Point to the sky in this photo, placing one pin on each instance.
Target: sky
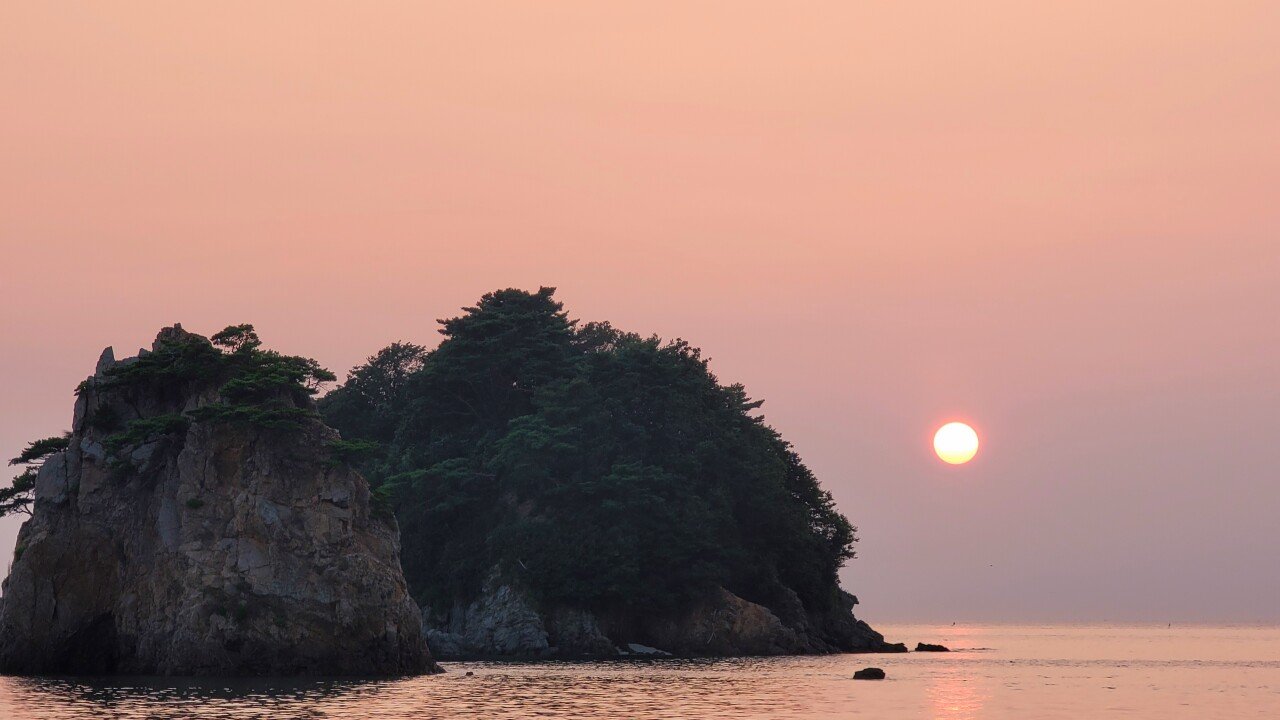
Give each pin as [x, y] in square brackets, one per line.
[1055, 221]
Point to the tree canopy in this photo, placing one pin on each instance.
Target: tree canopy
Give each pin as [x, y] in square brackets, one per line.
[602, 468]
[254, 386]
[18, 496]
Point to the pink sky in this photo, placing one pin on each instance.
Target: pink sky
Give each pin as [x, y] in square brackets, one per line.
[1059, 223]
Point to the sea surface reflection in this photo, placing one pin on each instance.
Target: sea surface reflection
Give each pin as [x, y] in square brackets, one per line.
[1000, 672]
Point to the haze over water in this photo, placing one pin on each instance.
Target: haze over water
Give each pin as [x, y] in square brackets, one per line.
[1003, 672]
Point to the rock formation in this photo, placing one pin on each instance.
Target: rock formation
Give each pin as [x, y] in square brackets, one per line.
[929, 647]
[505, 622]
[170, 539]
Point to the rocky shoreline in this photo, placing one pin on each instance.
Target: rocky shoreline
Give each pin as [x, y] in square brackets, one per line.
[506, 623]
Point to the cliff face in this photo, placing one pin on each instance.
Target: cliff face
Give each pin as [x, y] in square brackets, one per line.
[506, 622]
[205, 546]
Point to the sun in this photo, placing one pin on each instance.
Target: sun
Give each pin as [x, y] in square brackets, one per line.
[955, 443]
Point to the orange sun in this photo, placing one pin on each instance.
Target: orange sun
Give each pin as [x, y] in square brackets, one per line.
[956, 443]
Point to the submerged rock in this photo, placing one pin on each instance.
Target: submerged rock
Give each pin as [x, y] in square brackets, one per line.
[215, 547]
[927, 647]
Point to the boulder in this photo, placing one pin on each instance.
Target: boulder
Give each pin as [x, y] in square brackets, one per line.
[727, 625]
[870, 673]
[926, 647]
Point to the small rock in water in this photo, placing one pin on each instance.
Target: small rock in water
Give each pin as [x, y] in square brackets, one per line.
[869, 674]
[926, 647]
[469, 674]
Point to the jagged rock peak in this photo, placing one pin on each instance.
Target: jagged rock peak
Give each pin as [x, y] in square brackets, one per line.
[106, 360]
[174, 334]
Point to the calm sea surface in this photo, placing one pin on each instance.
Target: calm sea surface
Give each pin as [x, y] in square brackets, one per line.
[999, 671]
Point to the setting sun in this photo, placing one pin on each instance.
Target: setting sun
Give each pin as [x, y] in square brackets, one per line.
[956, 443]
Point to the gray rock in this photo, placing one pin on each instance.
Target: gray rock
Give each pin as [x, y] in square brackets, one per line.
[78, 410]
[501, 622]
[168, 524]
[728, 625]
[93, 451]
[51, 481]
[106, 361]
[504, 620]
[268, 512]
[217, 558]
[338, 496]
[449, 645]
[576, 633]
[141, 455]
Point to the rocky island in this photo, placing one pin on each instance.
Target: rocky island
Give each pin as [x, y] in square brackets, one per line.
[560, 490]
[201, 519]
[571, 490]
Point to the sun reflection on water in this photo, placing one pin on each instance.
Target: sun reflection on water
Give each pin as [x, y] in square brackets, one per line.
[953, 696]
[956, 692]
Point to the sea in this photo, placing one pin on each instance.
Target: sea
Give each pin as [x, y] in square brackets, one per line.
[1001, 672]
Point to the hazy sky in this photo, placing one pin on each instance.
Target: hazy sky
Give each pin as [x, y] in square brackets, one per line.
[1057, 221]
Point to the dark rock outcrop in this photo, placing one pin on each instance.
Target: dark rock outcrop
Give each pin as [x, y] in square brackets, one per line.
[505, 622]
[927, 647]
[869, 674]
[216, 548]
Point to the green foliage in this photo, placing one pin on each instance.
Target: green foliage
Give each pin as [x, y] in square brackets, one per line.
[189, 358]
[17, 498]
[237, 338]
[254, 387]
[381, 500]
[194, 503]
[245, 372]
[348, 451]
[272, 416]
[37, 450]
[374, 395]
[144, 430]
[105, 419]
[259, 375]
[600, 467]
